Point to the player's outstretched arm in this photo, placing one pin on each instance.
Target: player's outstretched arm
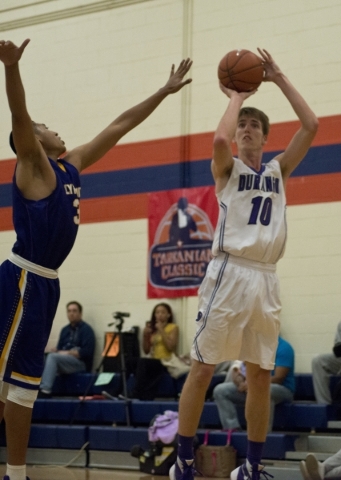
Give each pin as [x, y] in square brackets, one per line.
[34, 175]
[222, 161]
[87, 154]
[303, 138]
[23, 133]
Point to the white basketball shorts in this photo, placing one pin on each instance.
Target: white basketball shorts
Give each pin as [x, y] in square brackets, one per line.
[238, 316]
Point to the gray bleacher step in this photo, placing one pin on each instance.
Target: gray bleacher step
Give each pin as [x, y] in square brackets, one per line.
[301, 455]
[51, 456]
[285, 474]
[119, 460]
[334, 424]
[318, 443]
[282, 470]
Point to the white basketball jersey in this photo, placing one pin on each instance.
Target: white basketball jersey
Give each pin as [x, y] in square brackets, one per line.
[251, 221]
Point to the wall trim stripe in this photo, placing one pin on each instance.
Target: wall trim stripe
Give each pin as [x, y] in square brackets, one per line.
[300, 190]
[319, 160]
[167, 151]
[117, 187]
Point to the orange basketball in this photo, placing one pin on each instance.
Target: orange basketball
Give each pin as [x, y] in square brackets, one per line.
[241, 70]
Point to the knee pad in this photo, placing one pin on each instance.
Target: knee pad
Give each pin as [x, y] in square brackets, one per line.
[3, 391]
[22, 396]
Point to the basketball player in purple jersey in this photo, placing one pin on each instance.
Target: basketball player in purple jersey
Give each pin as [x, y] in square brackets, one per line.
[46, 191]
[239, 301]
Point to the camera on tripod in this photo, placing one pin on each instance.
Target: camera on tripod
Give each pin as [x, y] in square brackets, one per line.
[119, 344]
[120, 314]
[120, 317]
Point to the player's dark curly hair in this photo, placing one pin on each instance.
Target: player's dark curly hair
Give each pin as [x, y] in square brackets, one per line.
[153, 319]
[258, 114]
[11, 140]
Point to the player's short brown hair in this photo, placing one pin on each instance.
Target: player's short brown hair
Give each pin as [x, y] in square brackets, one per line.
[258, 114]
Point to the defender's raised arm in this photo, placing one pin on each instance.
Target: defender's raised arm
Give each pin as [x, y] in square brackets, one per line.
[34, 175]
[87, 154]
[22, 128]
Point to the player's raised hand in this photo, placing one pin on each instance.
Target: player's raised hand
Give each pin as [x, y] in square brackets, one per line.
[175, 81]
[271, 68]
[10, 53]
[229, 92]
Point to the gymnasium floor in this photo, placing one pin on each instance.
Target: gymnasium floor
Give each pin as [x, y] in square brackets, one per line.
[62, 473]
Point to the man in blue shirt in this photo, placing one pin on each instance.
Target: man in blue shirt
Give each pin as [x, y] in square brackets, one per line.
[231, 393]
[74, 352]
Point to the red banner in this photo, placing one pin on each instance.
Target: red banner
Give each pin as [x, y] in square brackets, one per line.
[181, 227]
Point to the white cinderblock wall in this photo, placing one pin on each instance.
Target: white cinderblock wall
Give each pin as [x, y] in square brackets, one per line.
[81, 72]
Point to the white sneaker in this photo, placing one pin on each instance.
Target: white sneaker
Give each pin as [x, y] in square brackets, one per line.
[172, 472]
[314, 467]
[182, 470]
[249, 472]
[304, 471]
[242, 472]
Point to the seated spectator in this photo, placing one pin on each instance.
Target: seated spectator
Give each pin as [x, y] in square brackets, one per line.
[160, 335]
[74, 352]
[222, 367]
[160, 340]
[325, 365]
[312, 469]
[233, 391]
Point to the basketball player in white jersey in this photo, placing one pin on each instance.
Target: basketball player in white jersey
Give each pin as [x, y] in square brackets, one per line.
[239, 301]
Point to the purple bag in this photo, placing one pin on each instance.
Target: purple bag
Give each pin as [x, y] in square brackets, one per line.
[164, 427]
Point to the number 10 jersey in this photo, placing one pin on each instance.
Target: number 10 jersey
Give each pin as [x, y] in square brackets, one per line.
[252, 207]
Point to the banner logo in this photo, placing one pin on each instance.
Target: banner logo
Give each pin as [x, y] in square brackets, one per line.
[181, 249]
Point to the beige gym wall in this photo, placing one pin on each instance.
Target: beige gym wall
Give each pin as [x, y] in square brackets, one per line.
[83, 68]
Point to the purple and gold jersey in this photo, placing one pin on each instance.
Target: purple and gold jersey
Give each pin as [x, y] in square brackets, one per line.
[46, 229]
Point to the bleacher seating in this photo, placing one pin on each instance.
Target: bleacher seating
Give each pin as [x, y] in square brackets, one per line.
[68, 423]
[305, 389]
[77, 383]
[289, 417]
[303, 413]
[112, 438]
[54, 436]
[73, 411]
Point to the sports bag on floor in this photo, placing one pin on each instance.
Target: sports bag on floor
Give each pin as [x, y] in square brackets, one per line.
[215, 461]
[162, 451]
